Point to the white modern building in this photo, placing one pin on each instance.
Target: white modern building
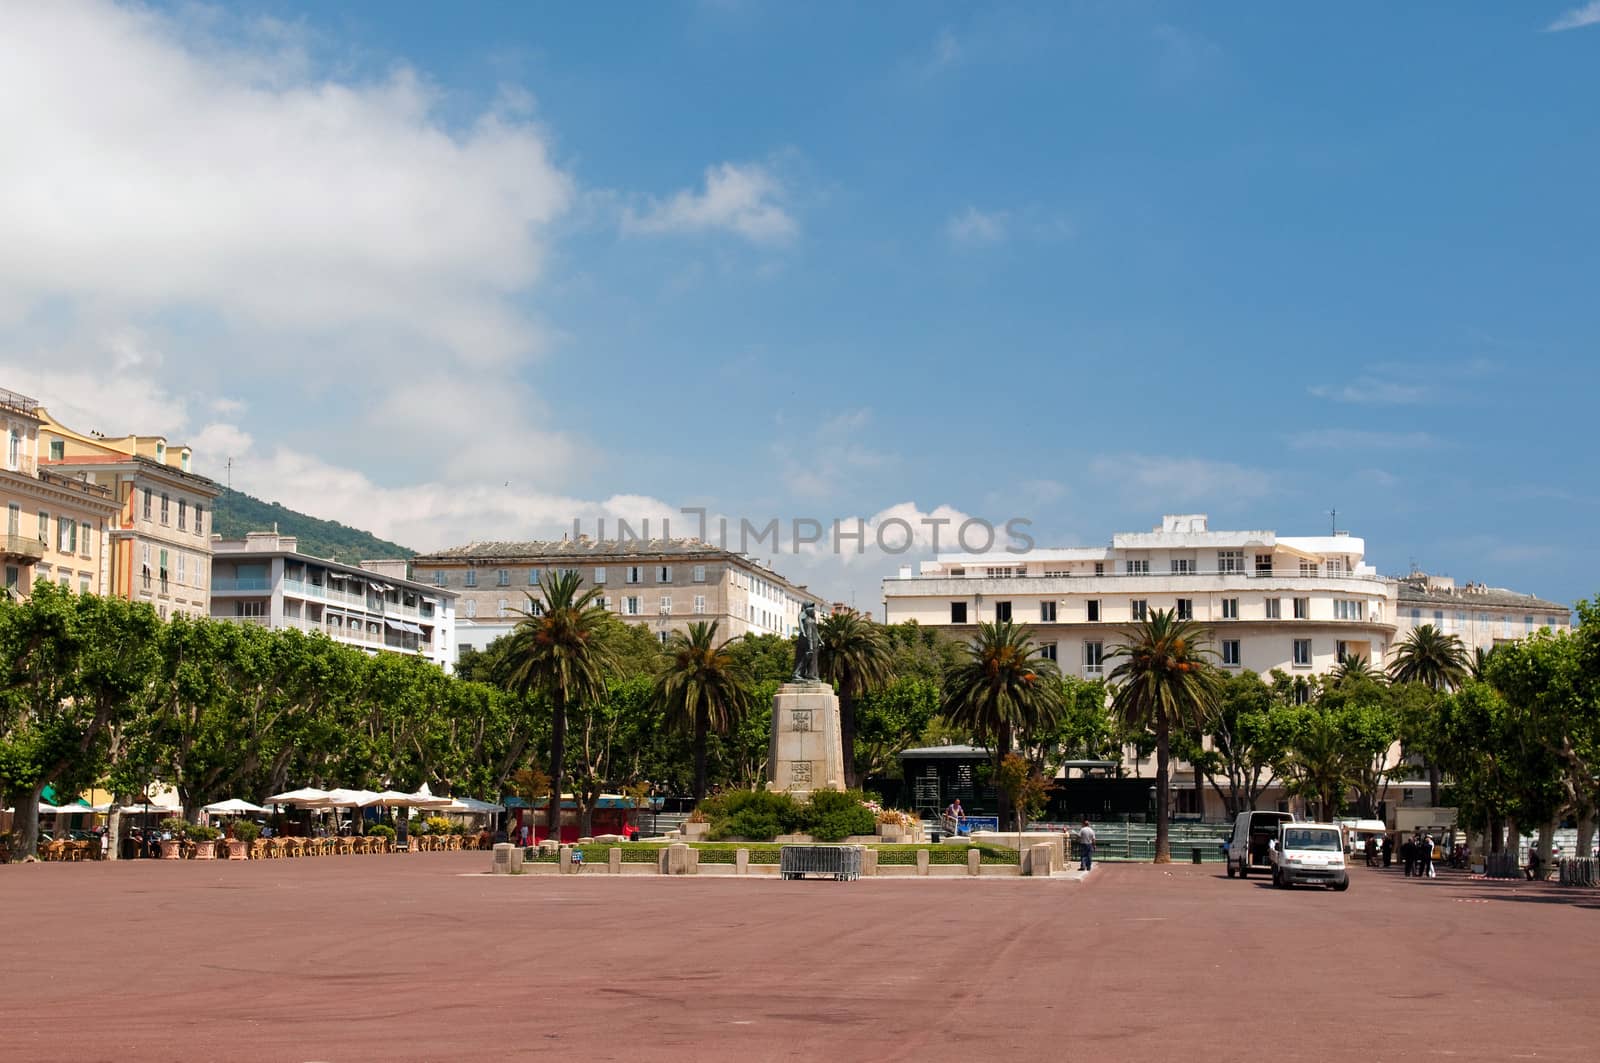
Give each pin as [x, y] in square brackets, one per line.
[1300, 604]
[1481, 617]
[264, 579]
[663, 584]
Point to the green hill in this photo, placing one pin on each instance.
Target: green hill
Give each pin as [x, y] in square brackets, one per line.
[235, 513]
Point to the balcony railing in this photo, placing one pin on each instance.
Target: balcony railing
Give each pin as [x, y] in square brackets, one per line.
[25, 547]
[72, 483]
[240, 583]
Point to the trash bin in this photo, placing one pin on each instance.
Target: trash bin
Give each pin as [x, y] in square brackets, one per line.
[936, 835]
[1194, 855]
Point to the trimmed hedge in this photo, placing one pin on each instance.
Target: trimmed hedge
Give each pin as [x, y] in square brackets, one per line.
[829, 816]
[768, 853]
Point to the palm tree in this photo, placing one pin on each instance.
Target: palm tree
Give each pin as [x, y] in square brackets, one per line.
[854, 654]
[1002, 687]
[1478, 666]
[1356, 667]
[559, 649]
[1437, 661]
[1321, 764]
[1165, 681]
[700, 689]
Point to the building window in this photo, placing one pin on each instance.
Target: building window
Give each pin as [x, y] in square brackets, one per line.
[664, 637]
[1308, 568]
[471, 578]
[147, 503]
[663, 573]
[502, 577]
[1047, 651]
[699, 573]
[699, 604]
[1335, 566]
[1230, 653]
[163, 573]
[505, 607]
[1093, 607]
[1349, 609]
[630, 606]
[13, 519]
[166, 508]
[145, 567]
[183, 515]
[1047, 612]
[439, 578]
[199, 520]
[1230, 608]
[1552, 623]
[1263, 564]
[1002, 611]
[1341, 650]
[1099, 570]
[1185, 608]
[1302, 653]
[958, 612]
[1141, 609]
[472, 608]
[13, 576]
[66, 535]
[249, 608]
[599, 576]
[635, 574]
[181, 558]
[44, 526]
[1182, 566]
[1302, 608]
[1138, 568]
[1094, 658]
[1230, 560]
[14, 449]
[666, 605]
[58, 450]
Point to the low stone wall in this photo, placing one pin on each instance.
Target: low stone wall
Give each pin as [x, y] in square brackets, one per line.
[683, 859]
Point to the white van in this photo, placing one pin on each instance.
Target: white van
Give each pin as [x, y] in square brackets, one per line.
[1251, 848]
[1310, 852]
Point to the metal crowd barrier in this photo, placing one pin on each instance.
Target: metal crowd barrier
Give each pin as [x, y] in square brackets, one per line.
[839, 862]
[1580, 872]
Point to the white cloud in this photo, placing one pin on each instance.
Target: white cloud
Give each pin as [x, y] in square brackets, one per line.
[1163, 480]
[746, 200]
[219, 213]
[1358, 439]
[1577, 18]
[1373, 391]
[973, 227]
[828, 456]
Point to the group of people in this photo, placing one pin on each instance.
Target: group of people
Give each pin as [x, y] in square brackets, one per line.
[1416, 852]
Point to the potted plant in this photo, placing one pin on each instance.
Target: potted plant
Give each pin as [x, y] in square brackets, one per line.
[697, 825]
[384, 833]
[172, 829]
[244, 832]
[204, 839]
[891, 825]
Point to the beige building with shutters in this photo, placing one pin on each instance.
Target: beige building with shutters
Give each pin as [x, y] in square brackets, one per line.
[159, 548]
[57, 522]
[664, 584]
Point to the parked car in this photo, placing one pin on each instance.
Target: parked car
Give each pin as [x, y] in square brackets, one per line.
[1311, 853]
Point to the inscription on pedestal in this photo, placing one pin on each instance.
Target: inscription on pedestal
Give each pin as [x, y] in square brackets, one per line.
[800, 771]
[800, 719]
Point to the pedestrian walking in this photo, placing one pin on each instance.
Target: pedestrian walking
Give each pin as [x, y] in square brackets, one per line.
[1425, 858]
[1388, 849]
[1408, 855]
[1085, 847]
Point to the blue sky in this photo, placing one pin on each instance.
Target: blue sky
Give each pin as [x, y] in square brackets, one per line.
[472, 272]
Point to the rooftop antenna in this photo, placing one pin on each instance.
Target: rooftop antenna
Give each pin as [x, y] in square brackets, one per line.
[230, 474]
[1333, 518]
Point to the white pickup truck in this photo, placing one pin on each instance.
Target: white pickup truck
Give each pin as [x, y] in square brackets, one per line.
[1309, 852]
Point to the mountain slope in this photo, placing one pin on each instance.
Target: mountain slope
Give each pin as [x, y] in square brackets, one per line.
[234, 513]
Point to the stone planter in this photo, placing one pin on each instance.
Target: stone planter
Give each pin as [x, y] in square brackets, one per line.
[171, 850]
[205, 850]
[238, 849]
[696, 830]
[892, 832]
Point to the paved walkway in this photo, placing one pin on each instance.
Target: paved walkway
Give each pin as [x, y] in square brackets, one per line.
[402, 958]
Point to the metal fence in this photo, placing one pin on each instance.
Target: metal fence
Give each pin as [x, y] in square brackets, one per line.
[839, 862]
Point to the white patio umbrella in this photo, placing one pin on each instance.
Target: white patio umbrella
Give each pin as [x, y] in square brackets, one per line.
[233, 807]
[350, 799]
[308, 796]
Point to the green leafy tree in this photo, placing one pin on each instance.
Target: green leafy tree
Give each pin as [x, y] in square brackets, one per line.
[890, 719]
[1164, 682]
[700, 690]
[1320, 765]
[1026, 790]
[559, 651]
[1362, 708]
[1239, 747]
[854, 654]
[1003, 689]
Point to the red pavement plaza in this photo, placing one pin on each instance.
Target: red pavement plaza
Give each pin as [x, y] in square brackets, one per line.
[413, 958]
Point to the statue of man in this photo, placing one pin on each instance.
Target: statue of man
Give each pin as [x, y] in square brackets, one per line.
[805, 647]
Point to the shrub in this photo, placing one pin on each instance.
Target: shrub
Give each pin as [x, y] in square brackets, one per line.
[833, 816]
[754, 814]
[197, 832]
[437, 825]
[174, 826]
[381, 830]
[245, 830]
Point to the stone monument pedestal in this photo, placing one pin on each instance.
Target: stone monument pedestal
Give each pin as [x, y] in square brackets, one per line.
[805, 753]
